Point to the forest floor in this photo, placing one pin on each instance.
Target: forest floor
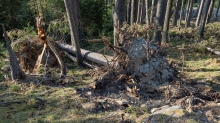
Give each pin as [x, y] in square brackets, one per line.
[26, 101]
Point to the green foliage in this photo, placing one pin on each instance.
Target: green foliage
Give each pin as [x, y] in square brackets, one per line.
[58, 28]
[15, 87]
[94, 17]
[21, 37]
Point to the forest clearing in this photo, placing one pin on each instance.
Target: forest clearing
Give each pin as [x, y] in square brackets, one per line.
[134, 62]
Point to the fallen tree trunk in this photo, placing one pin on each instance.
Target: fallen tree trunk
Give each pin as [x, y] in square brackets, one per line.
[213, 51]
[75, 60]
[89, 55]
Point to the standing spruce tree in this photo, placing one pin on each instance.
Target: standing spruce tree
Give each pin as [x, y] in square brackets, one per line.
[204, 17]
[119, 17]
[160, 15]
[176, 13]
[201, 5]
[189, 13]
[181, 12]
[128, 18]
[216, 14]
[71, 9]
[153, 10]
[166, 21]
[210, 11]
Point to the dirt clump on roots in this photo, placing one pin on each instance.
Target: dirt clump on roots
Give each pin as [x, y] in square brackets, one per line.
[139, 66]
[28, 51]
[141, 73]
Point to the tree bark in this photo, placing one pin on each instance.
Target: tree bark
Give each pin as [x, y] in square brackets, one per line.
[147, 13]
[176, 11]
[209, 16]
[187, 10]
[165, 35]
[128, 12]
[189, 13]
[119, 18]
[16, 72]
[153, 11]
[71, 9]
[132, 12]
[91, 56]
[139, 12]
[217, 10]
[181, 12]
[161, 9]
[204, 17]
[200, 13]
[80, 28]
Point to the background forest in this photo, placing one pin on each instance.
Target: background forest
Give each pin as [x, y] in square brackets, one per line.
[140, 61]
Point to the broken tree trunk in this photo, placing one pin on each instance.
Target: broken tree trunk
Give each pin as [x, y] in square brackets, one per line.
[89, 55]
[16, 71]
[42, 36]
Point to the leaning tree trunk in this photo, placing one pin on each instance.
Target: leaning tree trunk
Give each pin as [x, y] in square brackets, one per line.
[16, 72]
[204, 17]
[201, 5]
[161, 9]
[176, 11]
[71, 9]
[189, 13]
[119, 18]
[210, 11]
[166, 22]
[181, 12]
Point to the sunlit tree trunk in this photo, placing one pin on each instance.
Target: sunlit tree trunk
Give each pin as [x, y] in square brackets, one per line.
[181, 12]
[161, 9]
[201, 5]
[176, 13]
[71, 9]
[209, 16]
[166, 22]
[132, 12]
[204, 17]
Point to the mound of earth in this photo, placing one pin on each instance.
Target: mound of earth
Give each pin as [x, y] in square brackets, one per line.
[29, 51]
